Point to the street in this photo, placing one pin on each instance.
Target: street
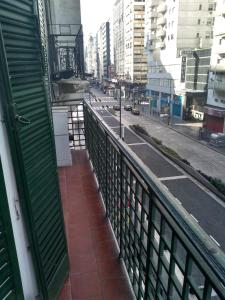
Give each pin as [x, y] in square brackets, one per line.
[203, 206]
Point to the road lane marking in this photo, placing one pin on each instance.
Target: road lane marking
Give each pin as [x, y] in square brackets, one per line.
[215, 241]
[134, 144]
[172, 178]
[194, 218]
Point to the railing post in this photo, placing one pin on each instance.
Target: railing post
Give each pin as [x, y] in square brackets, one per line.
[106, 173]
[120, 202]
[148, 244]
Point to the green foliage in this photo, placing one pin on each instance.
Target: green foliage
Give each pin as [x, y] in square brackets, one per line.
[140, 129]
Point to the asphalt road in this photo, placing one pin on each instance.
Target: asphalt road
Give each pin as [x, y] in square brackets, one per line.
[204, 207]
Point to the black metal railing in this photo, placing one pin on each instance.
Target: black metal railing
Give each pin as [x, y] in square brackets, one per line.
[167, 255]
[75, 123]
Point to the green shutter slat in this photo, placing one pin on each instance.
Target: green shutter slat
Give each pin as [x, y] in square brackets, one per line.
[37, 175]
[10, 283]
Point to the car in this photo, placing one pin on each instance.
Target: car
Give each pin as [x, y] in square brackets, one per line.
[128, 107]
[116, 107]
[135, 111]
[217, 139]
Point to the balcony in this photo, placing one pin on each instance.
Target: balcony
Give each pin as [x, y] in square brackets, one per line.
[161, 21]
[153, 26]
[161, 45]
[156, 240]
[220, 85]
[219, 68]
[154, 14]
[161, 33]
[162, 8]
[154, 3]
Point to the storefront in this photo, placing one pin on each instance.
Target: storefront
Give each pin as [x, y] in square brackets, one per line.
[214, 119]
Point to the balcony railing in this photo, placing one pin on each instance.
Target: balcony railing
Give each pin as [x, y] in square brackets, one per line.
[161, 21]
[167, 255]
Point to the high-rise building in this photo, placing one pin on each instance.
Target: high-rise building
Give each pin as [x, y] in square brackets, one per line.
[103, 51]
[135, 68]
[173, 29]
[118, 36]
[91, 56]
[215, 108]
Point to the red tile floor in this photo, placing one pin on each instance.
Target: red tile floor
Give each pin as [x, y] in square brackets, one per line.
[96, 273]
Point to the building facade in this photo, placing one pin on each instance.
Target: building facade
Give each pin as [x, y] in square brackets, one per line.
[196, 83]
[91, 56]
[103, 51]
[119, 37]
[173, 27]
[135, 68]
[215, 108]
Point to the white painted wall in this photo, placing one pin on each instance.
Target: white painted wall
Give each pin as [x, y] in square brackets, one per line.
[21, 242]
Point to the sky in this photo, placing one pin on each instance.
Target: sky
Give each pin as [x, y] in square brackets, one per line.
[93, 14]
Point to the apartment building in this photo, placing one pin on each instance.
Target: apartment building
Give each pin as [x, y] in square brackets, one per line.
[118, 37]
[215, 109]
[135, 59]
[171, 29]
[91, 56]
[103, 51]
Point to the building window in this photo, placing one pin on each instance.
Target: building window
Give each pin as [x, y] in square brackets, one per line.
[200, 6]
[168, 37]
[216, 100]
[172, 36]
[211, 7]
[199, 21]
[197, 34]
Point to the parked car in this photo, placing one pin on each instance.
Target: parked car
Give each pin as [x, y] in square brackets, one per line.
[116, 107]
[135, 111]
[128, 107]
[217, 139]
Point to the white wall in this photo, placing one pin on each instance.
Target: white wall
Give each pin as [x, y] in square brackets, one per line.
[21, 242]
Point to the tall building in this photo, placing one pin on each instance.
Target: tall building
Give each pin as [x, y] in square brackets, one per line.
[91, 56]
[173, 29]
[103, 51]
[215, 108]
[135, 68]
[118, 36]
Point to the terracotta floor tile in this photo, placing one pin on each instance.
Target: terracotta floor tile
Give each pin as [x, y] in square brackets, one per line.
[117, 289]
[110, 268]
[85, 285]
[82, 263]
[106, 248]
[65, 293]
[95, 270]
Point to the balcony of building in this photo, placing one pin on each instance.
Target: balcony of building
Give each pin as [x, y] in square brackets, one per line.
[218, 84]
[160, 33]
[160, 44]
[153, 26]
[125, 230]
[154, 3]
[154, 14]
[161, 21]
[162, 8]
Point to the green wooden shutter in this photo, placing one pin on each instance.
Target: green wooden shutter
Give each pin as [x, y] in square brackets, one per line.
[29, 125]
[10, 282]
